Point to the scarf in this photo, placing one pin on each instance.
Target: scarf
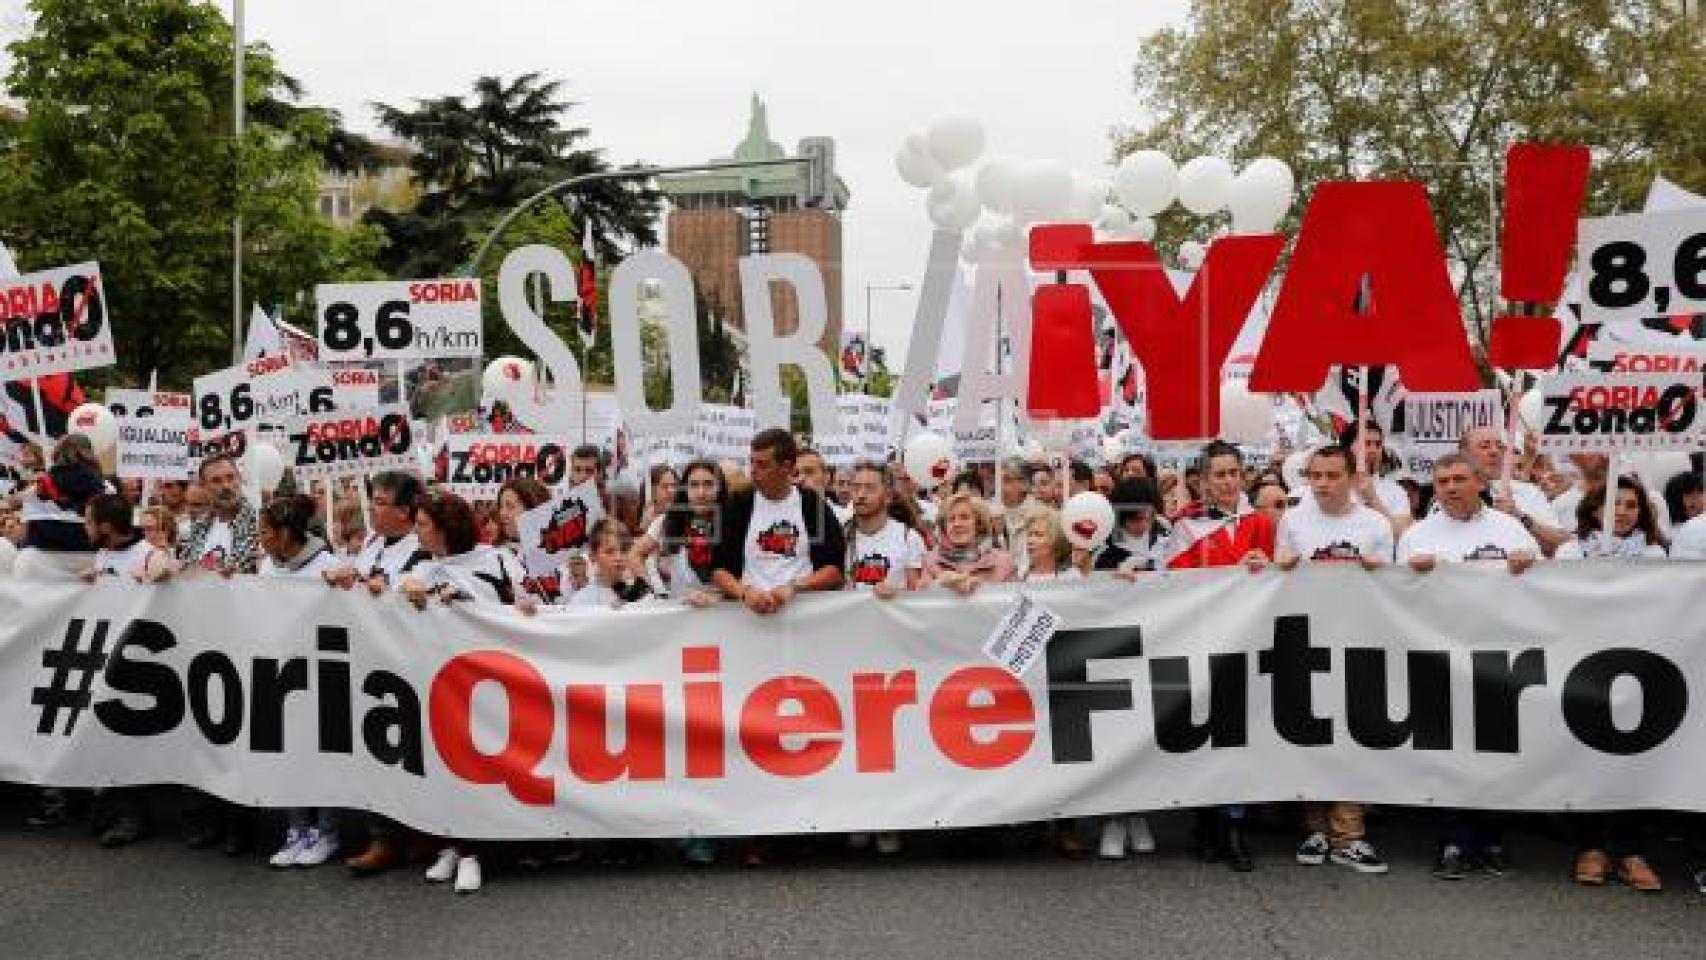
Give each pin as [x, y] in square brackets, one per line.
[1614, 547]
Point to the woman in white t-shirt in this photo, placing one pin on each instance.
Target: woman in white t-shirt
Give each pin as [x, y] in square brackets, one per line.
[1635, 533]
[289, 550]
[677, 552]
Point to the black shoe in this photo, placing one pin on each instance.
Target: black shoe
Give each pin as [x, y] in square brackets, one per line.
[52, 811]
[1494, 861]
[1450, 865]
[124, 832]
[1237, 849]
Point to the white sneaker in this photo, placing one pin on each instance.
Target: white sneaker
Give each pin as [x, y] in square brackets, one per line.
[888, 844]
[1313, 851]
[468, 875]
[294, 840]
[317, 848]
[1138, 835]
[443, 868]
[858, 841]
[1113, 838]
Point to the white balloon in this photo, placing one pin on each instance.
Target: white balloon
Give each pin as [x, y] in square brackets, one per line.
[1043, 191]
[1089, 194]
[1203, 185]
[954, 141]
[96, 422]
[953, 204]
[1113, 220]
[915, 164]
[929, 459]
[263, 466]
[1112, 449]
[507, 378]
[997, 179]
[1087, 519]
[1260, 196]
[1146, 182]
[1008, 235]
[1143, 229]
[1191, 254]
[1245, 417]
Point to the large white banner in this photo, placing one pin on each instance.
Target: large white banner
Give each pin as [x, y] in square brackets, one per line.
[1566, 688]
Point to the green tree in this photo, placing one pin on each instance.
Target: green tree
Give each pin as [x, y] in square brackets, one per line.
[1345, 89]
[124, 155]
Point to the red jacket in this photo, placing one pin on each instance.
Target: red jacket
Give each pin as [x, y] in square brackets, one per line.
[1200, 541]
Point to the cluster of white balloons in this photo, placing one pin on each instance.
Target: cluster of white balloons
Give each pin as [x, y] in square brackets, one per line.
[1148, 182]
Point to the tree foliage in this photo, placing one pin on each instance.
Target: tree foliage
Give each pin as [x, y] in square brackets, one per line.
[1435, 91]
[124, 154]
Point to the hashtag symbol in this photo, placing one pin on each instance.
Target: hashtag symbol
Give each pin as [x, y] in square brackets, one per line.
[74, 670]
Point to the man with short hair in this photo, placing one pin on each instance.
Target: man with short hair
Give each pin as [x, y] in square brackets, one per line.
[1332, 527]
[1045, 486]
[779, 539]
[884, 556]
[1464, 528]
[1080, 478]
[1485, 449]
[1372, 489]
[170, 494]
[813, 473]
[225, 540]
[120, 550]
[391, 549]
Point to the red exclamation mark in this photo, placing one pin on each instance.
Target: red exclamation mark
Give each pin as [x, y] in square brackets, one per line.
[1544, 189]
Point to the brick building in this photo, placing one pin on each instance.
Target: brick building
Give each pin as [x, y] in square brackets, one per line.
[720, 216]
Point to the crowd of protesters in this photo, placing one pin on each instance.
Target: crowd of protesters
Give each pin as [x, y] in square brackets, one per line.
[786, 523]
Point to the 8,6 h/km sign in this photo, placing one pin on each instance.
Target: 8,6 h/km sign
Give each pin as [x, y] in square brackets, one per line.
[399, 319]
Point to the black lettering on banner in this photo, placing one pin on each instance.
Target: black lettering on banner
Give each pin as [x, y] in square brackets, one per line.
[303, 458]
[1228, 703]
[145, 679]
[1497, 694]
[336, 735]
[392, 731]
[1293, 664]
[1587, 700]
[81, 310]
[206, 666]
[1560, 408]
[1368, 715]
[1073, 696]
[273, 684]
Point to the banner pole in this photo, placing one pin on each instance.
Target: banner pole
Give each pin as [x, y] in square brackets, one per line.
[1362, 420]
[1513, 426]
[366, 506]
[1608, 524]
[148, 484]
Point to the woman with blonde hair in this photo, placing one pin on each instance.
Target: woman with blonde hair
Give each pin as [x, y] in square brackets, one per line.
[963, 557]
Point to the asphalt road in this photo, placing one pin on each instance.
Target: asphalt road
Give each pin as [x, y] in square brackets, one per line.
[61, 896]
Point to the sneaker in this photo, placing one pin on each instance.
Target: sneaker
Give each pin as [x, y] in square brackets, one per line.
[444, 868]
[1313, 851]
[1139, 836]
[294, 840]
[888, 844]
[1113, 839]
[317, 848]
[1450, 864]
[1637, 874]
[468, 875]
[1494, 861]
[1359, 856]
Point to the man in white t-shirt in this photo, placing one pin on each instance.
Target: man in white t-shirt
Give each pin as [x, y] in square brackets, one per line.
[120, 549]
[1379, 493]
[778, 539]
[226, 539]
[1527, 503]
[1332, 527]
[391, 549]
[1465, 528]
[884, 556]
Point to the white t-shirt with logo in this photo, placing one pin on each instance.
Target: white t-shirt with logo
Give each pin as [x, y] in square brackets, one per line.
[777, 551]
[390, 559]
[1315, 535]
[1488, 535]
[125, 562]
[216, 548]
[884, 557]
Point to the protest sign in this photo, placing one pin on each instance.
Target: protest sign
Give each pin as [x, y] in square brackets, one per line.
[1612, 412]
[357, 443]
[54, 321]
[398, 319]
[1433, 423]
[263, 391]
[142, 403]
[1642, 265]
[153, 447]
[551, 532]
[1018, 641]
[478, 465]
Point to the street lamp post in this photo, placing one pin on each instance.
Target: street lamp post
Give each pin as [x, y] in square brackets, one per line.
[870, 347]
[237, 160]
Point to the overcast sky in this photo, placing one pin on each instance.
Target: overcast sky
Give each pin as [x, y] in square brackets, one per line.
[668, 81]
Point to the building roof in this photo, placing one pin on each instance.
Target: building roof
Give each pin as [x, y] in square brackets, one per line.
[732, 188]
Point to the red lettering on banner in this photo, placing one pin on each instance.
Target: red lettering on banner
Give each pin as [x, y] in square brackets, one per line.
[763, 726]
[265, 365]
[877, 698]
[531, 722]
[343, 429]
[1382, 233]
[446, 292]
[955, 719]
[641, 756]
[705, 734]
